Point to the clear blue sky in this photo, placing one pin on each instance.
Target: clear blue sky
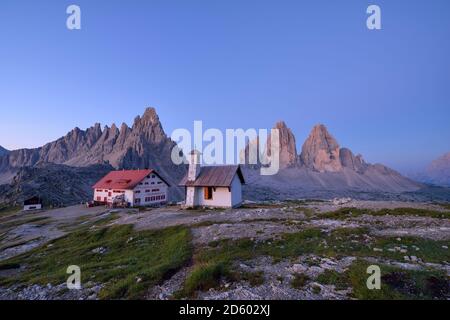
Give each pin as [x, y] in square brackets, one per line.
[246, 63]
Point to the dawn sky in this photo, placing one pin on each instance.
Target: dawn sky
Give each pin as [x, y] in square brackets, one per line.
[233, 64]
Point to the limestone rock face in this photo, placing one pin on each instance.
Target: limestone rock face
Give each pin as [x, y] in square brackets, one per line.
[321, 152]
[349, 160]
[288, 148]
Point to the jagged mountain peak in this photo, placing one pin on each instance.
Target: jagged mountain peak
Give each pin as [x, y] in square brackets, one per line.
[124, 127]
[349, 160]
[132, 147]
[280, 125]
[288, 148]
[321, 135]
[149, 127]
[150, 114]
[320, 151]
[149, 118]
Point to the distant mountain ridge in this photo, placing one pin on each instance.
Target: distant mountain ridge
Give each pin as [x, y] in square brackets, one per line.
[85, 154]
[143, 145]
[322, 167]
[436, 173]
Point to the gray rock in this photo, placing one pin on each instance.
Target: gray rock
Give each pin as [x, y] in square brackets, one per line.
[320, 152]
[288, 149]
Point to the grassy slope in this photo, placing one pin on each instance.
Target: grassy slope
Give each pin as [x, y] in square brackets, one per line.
[133, 261]
[345, 213]
[215, 263]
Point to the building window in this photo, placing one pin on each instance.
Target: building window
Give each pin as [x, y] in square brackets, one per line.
[153, 176]
[138, 191]
[208, 192]
[137, 201]
[148, 190]
[155, 190]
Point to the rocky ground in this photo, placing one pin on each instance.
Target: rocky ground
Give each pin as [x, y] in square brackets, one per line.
[49, 292]
[21, 232]
[405, 236]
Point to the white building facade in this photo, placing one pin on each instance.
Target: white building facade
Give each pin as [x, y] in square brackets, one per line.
[33, 203]
[133, 187]
[212, 186]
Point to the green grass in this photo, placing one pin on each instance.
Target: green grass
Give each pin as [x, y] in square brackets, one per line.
[215, 262]
[341, 281]
[445, 205]
[429, 250]
[204, 277]
[9, 266]
[253, 278]
[316, 289]
[315, 241]
[346, 213]
[148, 255]
[398, 283]
[299, 281]
[8, 210]
[354, 242]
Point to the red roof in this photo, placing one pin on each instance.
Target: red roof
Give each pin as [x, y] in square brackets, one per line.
[124, 179]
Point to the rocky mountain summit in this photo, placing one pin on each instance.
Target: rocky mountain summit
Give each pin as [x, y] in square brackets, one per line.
[320, 152]
[322, 169]
[288, 148]
[143, 145]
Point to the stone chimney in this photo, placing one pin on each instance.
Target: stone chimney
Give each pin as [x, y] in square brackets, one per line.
[194, 165]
